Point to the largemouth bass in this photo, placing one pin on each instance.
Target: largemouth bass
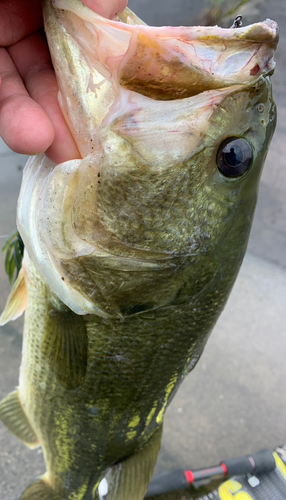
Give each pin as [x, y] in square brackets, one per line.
[131, 252]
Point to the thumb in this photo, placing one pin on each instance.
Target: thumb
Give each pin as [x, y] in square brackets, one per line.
[106, 8]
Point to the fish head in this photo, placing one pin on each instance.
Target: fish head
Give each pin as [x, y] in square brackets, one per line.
[175, 175]
[173, 125]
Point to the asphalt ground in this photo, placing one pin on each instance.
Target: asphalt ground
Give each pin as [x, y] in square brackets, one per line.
[233, 402]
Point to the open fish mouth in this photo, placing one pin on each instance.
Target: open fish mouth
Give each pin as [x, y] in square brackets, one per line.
[138, 101]
[102, 63]
[173, 62]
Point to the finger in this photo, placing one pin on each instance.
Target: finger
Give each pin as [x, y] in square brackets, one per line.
[109, 9]
[32, 59]
[18, 19]
[21, 118]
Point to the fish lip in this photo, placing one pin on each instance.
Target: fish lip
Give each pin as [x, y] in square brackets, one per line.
[268, 26]
[251, 32]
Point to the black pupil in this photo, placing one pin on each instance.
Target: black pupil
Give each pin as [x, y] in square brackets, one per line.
[234, 157]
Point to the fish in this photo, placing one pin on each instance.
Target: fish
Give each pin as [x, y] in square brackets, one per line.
[132, 250]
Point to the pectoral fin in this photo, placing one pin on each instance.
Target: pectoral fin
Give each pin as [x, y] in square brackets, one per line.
[38, 490]
[65, 346]
[129, 479]
[16, 302]
[14, 418]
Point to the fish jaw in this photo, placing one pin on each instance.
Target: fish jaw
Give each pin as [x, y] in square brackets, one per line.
[96, 58]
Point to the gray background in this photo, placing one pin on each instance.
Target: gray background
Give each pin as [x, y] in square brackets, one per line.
[233, 402]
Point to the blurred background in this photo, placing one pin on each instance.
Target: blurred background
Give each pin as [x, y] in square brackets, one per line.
[233, 403]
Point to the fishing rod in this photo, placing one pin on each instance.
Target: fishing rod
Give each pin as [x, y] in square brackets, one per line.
[264, 470]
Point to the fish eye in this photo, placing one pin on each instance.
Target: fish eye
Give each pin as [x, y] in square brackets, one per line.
[234, 157]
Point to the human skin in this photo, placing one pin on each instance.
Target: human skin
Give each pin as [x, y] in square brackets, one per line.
[30, 117]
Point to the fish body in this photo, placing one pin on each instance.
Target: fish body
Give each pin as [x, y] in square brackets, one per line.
[131, 252]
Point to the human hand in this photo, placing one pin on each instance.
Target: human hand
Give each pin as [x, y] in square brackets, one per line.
[30, 117]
